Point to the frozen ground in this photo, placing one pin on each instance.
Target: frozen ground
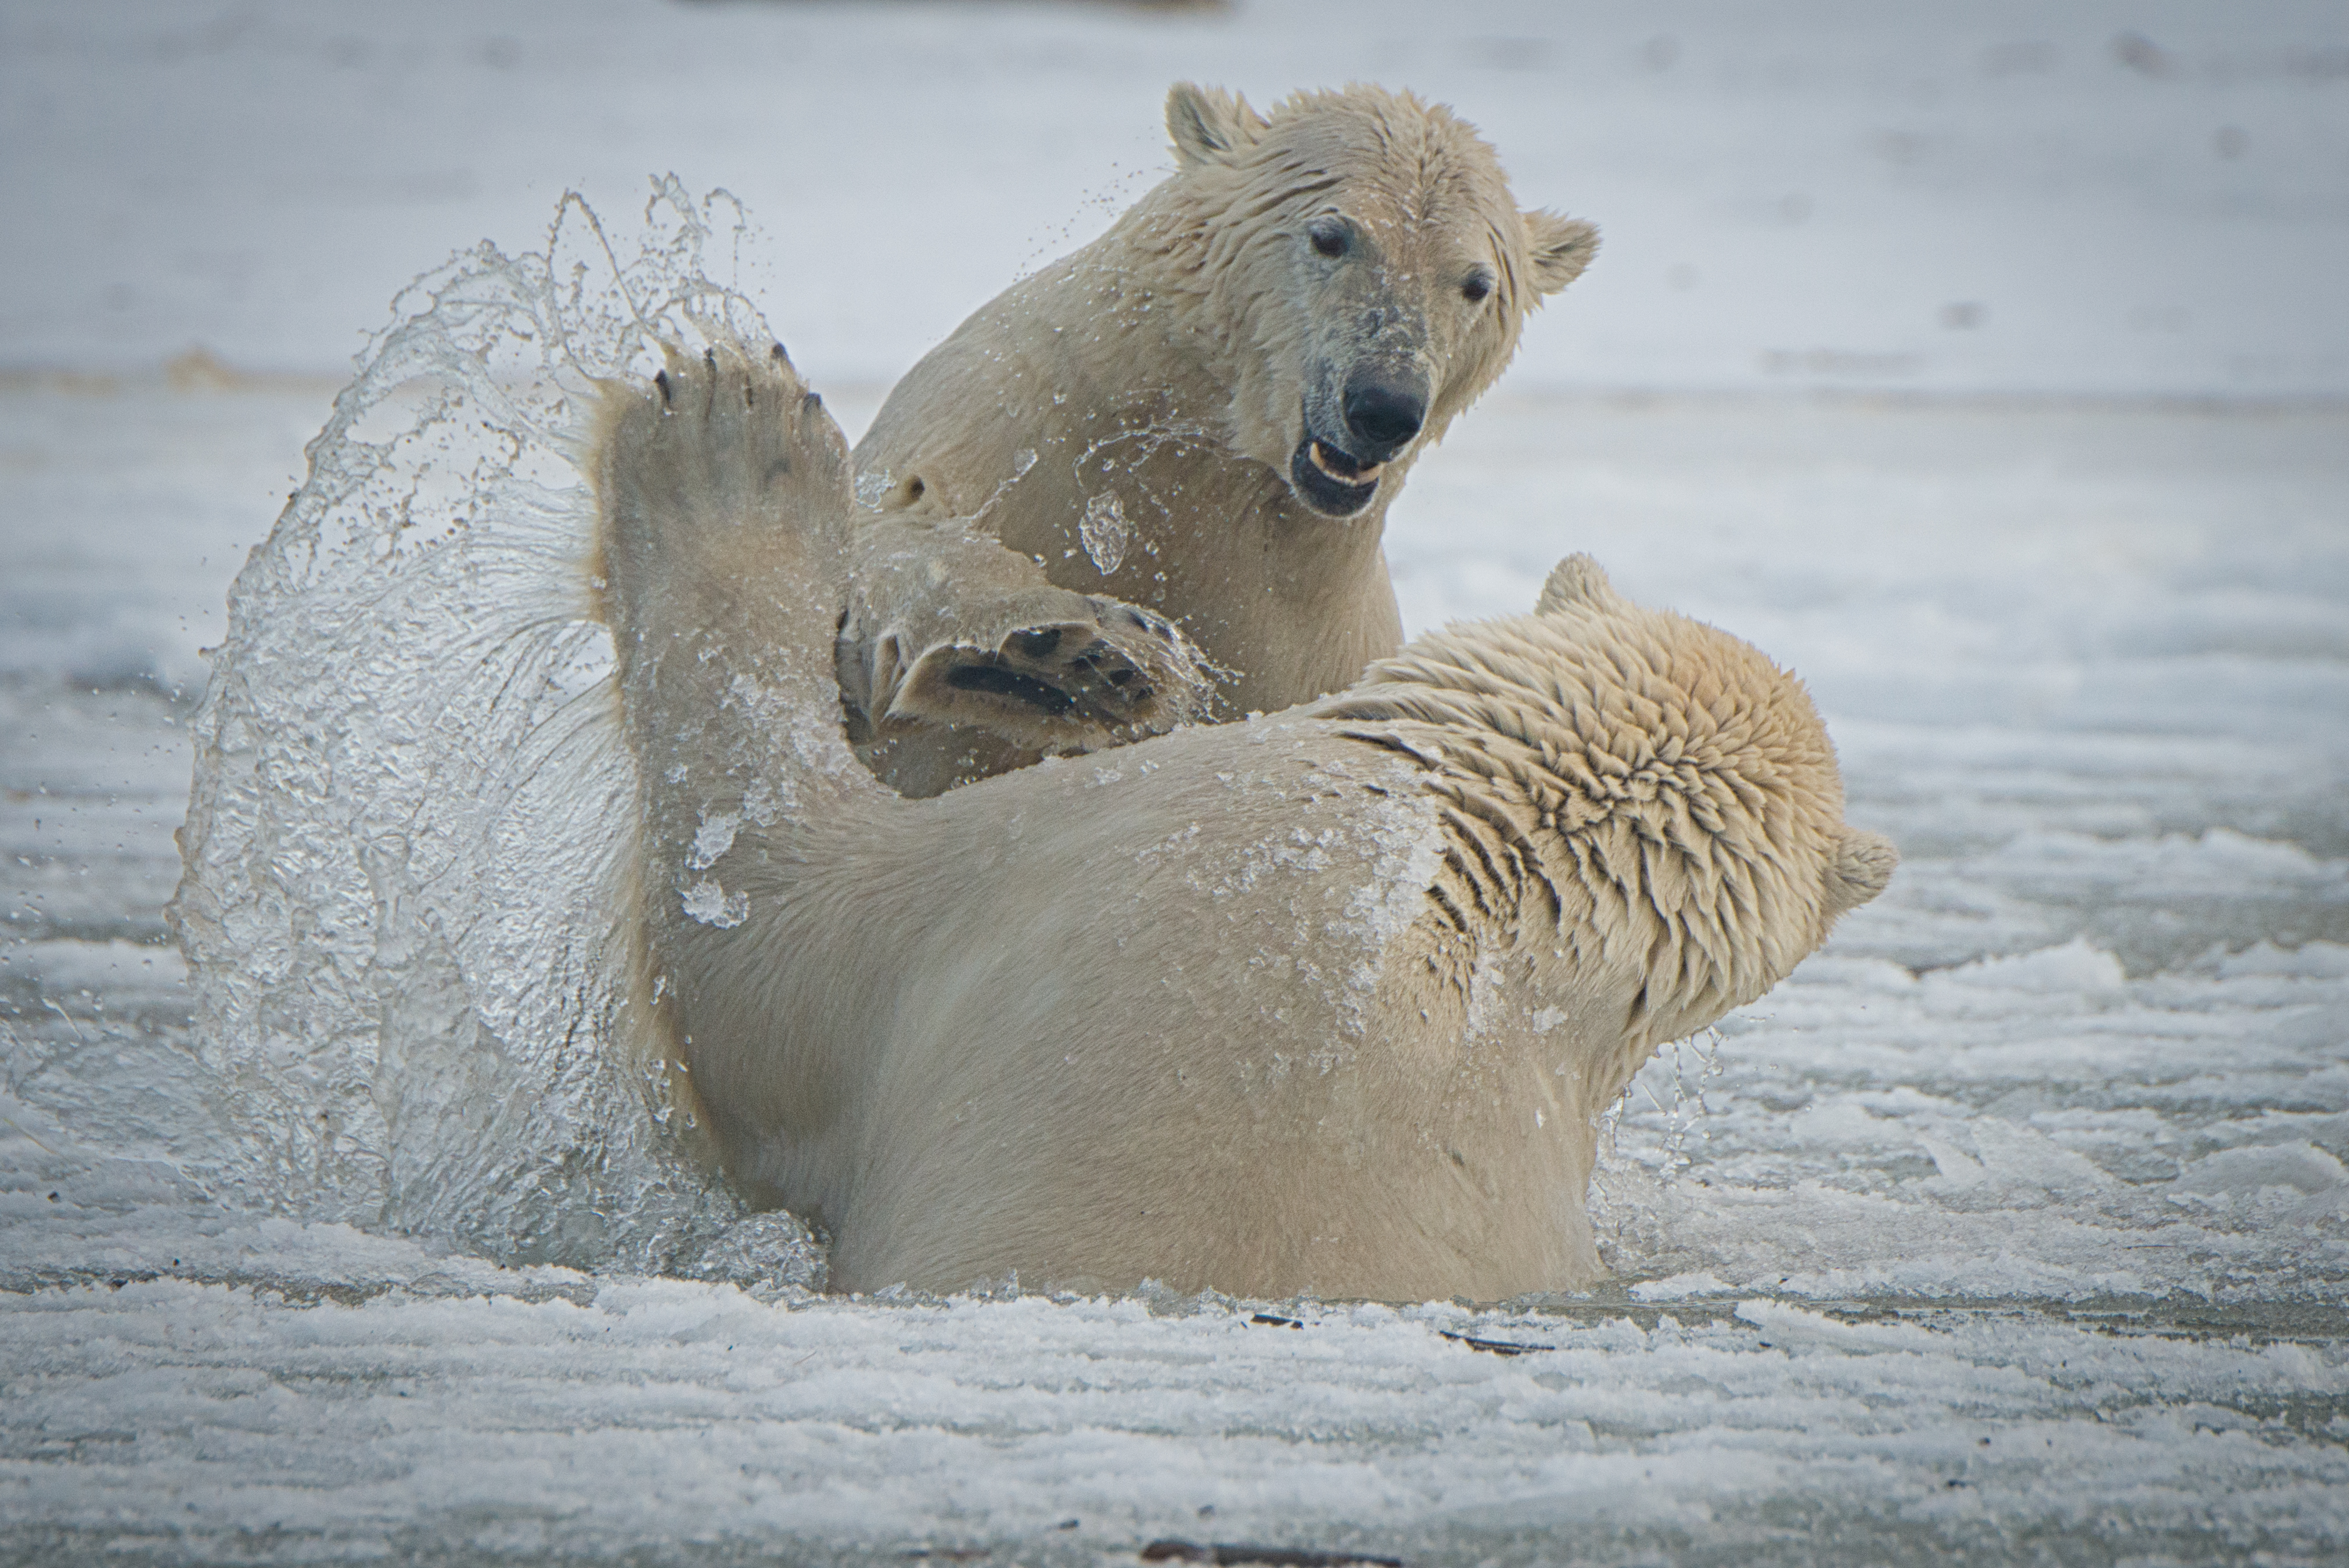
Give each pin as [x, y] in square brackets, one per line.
[2016, 1224]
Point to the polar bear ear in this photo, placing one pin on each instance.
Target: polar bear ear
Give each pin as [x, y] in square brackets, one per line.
[1577, 582]
[1209, 125]
[1562, 247]
[1862, 864]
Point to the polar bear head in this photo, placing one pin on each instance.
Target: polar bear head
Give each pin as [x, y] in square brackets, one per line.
[1366, 273]
[1646, 799]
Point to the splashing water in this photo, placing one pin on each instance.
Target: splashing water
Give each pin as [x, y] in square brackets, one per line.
[1685, 1112]
[1104, 530]
[403, 849]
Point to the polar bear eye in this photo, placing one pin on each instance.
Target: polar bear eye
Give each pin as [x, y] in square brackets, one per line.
[1328, 236]
[1478, 284]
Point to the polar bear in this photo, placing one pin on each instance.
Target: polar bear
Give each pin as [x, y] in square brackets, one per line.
[1147, 483]
[1325, 1002]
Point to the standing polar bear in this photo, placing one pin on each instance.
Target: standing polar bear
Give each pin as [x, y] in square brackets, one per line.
[1147, 483]
[1325, 1002]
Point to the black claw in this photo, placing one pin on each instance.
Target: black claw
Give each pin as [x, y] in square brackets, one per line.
[660, 380]
[813, 403]
[777, 354]
[1037, 645]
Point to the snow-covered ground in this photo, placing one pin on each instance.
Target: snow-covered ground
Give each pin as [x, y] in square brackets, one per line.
[2016, 1224]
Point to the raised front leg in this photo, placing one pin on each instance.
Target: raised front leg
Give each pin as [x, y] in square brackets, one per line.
[722, 492]
[959, 659]
[723, 503]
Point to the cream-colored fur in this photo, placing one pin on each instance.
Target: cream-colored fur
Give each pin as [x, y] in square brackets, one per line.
[1126, 432]
[1324, 1001]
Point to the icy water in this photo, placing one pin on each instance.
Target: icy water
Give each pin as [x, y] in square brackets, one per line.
[2015, 1223]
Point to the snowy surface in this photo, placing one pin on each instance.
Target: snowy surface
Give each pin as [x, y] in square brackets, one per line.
[2016, 1224]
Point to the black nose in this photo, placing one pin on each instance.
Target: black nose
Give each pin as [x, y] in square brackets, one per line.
[1383, 413]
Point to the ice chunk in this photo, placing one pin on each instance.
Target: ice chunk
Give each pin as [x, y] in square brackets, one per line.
[712, 840]
[2301, 1167]
[713, 906]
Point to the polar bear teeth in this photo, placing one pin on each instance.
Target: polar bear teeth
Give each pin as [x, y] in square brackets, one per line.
[1343, 471]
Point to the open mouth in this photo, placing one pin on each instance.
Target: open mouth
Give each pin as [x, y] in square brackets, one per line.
[1329, 481]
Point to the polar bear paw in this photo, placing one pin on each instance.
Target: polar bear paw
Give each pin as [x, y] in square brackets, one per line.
[1041, 667]
[715, 446]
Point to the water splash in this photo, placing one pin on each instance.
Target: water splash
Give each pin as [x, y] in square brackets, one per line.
[404, 846]
[1686, 1110]
[1104, 532]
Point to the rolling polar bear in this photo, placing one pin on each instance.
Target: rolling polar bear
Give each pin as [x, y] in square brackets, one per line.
[1147, 483]
[1324, 1001]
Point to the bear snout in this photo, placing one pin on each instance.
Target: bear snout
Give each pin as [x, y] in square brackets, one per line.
[1384, 412]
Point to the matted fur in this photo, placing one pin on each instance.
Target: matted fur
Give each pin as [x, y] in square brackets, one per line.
[1680, 778]
[1322, 1001]
[1122, 426]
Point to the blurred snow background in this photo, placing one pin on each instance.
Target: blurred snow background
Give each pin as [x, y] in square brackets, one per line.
[1984, 362]
[2091, 197]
